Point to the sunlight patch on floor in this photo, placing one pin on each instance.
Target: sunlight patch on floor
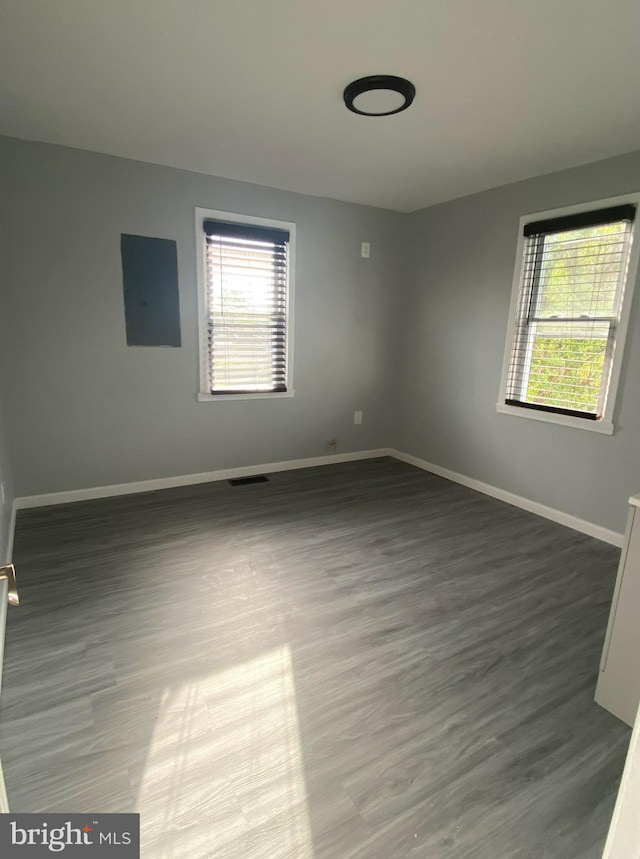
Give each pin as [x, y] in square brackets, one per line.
[224, 773]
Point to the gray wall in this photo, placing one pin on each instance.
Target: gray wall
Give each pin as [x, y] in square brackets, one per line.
[86, 410]
[6, 481]
[6, 469]
[461, 257]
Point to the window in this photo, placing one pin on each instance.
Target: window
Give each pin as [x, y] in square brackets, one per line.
[245, 271]
[569, 312]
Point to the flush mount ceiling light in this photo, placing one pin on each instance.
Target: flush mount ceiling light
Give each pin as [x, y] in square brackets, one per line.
[379, 95]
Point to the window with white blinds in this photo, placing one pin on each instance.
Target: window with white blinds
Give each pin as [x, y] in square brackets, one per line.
[571, 293]
[246, 285]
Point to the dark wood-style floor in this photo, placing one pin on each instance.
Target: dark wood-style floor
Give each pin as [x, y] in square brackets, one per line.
[361, 660]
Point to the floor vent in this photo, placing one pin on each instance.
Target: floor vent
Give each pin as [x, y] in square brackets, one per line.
[245, 481]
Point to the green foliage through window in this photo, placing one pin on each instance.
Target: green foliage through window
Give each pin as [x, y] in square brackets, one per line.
[566, 371]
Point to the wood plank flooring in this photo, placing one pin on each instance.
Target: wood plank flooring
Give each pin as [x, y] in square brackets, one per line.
[360, 661]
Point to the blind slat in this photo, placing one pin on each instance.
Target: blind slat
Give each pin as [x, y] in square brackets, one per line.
[247, 232]
[581, 220]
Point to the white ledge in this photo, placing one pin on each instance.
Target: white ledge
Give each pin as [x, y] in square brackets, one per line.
[600, 426]
[267, 395]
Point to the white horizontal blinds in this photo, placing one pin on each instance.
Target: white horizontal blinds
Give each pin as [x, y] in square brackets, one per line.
[246, 307]
[573, 278]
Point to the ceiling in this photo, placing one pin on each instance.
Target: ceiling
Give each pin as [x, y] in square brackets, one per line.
[252, 90]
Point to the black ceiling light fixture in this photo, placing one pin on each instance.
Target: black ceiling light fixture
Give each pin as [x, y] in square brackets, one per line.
[379, 95]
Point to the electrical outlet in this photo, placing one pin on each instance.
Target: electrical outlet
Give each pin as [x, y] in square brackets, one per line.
[365, 250]
[357, 417]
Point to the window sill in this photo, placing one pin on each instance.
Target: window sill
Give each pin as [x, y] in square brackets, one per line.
[601, 426]
[214, 398]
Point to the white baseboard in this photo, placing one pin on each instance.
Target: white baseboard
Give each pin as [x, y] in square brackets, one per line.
[567, 519]
[93, 492]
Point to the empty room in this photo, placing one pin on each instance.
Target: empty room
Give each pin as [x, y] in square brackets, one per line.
[320, 429]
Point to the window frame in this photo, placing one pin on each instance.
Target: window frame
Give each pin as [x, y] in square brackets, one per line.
[204, 395]
[605, 424]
